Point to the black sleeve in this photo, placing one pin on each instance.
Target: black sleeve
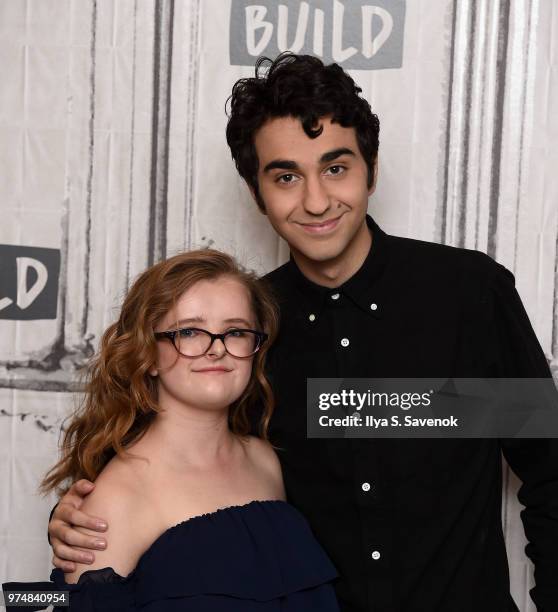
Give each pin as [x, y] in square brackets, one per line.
[99, 590]
[516, 353]
[38, 587]
[50, 519]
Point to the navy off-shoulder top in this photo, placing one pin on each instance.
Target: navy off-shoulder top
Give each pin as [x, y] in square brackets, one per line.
[259, 557]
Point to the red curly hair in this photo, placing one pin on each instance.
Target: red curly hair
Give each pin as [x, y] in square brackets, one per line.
[120, 399]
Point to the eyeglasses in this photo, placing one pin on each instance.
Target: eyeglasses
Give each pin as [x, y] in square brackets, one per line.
[195, 342]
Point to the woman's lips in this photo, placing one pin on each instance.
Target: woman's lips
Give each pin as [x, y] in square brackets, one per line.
[212, 371]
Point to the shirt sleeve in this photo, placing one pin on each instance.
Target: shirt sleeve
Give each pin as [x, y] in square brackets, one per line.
[50, 519]
[516, 353]
[96, 591]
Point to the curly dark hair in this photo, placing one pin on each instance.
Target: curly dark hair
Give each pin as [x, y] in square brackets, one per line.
[300, 86]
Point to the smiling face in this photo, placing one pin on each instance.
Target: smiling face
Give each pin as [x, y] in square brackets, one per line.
[214, 380]
[315, 191]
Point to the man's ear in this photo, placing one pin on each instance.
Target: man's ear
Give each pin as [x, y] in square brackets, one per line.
[372, 187]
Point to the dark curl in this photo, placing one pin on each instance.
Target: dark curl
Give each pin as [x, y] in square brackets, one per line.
[298, 86]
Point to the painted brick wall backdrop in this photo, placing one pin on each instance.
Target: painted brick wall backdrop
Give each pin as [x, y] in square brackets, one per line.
[112, 156]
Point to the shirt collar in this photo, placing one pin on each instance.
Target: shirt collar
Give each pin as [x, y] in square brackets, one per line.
[360, 288]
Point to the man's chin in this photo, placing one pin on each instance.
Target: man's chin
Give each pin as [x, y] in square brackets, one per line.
[318, 255]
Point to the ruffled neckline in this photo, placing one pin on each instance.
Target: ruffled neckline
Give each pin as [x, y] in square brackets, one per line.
[256, 551]
[108, 574]
[215, 513]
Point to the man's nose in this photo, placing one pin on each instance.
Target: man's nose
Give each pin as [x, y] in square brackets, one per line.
[316, 199]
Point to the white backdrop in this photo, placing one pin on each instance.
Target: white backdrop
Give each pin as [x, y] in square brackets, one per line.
[113, 155]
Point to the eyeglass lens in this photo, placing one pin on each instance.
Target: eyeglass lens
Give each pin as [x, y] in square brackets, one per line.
[192, 343]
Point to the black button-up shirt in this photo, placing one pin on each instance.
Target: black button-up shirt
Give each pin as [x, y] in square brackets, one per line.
[413, 525]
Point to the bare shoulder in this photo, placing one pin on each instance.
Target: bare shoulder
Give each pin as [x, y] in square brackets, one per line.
[114, 478]
[263, 456]
[261, 452]
[116, 499]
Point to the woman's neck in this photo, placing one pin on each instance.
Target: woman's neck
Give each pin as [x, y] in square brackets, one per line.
[188, 438]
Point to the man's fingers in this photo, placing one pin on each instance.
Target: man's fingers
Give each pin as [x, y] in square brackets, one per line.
[70, 515]
[66, 553]
[82, 487]
[75, 495]
[73, 537]
[77, 492]
[65, 566]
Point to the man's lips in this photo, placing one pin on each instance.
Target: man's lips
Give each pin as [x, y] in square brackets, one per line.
[322, 227]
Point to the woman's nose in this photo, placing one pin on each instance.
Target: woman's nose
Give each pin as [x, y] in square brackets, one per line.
[217, 348]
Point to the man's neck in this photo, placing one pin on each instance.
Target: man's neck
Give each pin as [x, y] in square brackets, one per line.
[334, 272]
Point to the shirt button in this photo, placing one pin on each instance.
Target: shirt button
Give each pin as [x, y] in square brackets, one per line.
[345, 342]
[334, 296]
[376, 555]
[366, 486]
[374, 306]
[312, 317]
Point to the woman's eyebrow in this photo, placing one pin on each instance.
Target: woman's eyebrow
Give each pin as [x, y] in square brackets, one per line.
[237, 320]
[191, 320]
[198, 319]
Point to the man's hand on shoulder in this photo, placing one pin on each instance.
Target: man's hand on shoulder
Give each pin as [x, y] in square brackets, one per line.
[118, 503]
[68, 543]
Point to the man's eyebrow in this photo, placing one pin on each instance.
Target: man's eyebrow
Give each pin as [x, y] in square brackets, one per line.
[281, 164]
[331, 155]
[288, 164]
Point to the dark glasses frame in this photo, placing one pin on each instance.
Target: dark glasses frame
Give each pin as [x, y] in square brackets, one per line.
[172, 334]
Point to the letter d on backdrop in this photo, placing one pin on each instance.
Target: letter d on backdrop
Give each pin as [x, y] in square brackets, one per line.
[28, 282]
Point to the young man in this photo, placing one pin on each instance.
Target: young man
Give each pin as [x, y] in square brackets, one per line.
[412, 525]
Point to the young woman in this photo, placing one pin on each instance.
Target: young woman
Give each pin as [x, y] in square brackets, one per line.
[195, 506]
